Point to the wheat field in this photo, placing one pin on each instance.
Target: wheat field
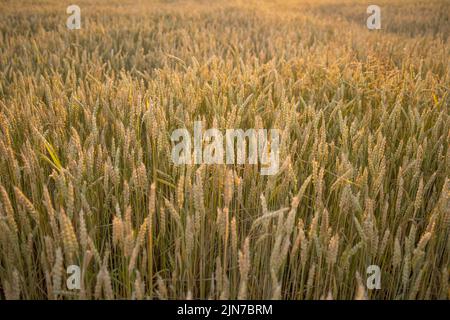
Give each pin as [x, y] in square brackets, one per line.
[86, 176]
